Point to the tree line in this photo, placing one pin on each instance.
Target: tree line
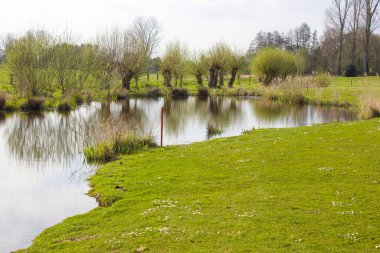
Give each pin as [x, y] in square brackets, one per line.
[40, 63]
[348, 45]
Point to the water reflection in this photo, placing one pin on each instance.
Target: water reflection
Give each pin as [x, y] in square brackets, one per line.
[42, 169]
[58, 138]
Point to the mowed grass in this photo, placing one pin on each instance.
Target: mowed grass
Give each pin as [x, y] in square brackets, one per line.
[345, 90]
[308, 189]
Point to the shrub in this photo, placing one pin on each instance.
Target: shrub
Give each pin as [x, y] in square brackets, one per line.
[212, 130]
[64, 106]
[12, 105]
[322, 80]
[33, 104]
[351, 71]
[203, 92]
[153, 92]
[271, 63]
[3, 101]
[180, 93]
[78, 99]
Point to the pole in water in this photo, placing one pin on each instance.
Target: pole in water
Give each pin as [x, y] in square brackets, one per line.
[162, 126]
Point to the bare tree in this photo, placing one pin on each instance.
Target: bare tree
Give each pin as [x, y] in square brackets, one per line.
[337, 18]
[354, 23]
[147, 31]
[109, 43]
[139, 44]
[371, 22]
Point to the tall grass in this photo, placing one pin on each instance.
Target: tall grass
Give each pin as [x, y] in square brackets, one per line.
[117, 138]
[292, 92]
[369, 106]
[322, 80]
[212, 130]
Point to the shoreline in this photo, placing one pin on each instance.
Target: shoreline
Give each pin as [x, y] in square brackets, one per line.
[118, 193]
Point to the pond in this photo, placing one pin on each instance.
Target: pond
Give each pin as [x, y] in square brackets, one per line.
[43, 171]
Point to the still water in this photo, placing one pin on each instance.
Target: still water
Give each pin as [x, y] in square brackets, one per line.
[43, 172]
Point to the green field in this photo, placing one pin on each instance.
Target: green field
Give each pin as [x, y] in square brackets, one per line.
[308, 189]
[342, 91]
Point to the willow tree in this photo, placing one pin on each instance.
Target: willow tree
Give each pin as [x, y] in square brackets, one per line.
[133, 61]
[218, 57]
[72, 64]
[29, 60]
[198, 67]
[173, 63]
[236, 62]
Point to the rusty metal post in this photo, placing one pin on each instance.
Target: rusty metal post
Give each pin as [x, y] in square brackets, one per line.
[162, 126]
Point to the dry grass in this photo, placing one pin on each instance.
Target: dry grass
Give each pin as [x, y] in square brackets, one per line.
[370, 106]
[114, 138]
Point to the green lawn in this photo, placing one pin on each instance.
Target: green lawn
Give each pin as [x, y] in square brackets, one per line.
[308, 189]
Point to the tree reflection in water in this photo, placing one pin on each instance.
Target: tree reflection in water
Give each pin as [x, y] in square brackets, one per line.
[53, 138]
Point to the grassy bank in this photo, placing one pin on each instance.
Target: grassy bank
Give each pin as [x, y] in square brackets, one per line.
[308, 189]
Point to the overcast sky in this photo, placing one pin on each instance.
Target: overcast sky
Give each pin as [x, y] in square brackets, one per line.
[199, 23]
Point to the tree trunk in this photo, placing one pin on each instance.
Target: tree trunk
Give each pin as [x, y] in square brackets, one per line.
[167, 79]
[213, 80]
[353, 51]
[126, 81]
[148, 76]
[199, 79]
[137, 83]
[221, 77]
[366, 52]
[340, 54]
[233, 77]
